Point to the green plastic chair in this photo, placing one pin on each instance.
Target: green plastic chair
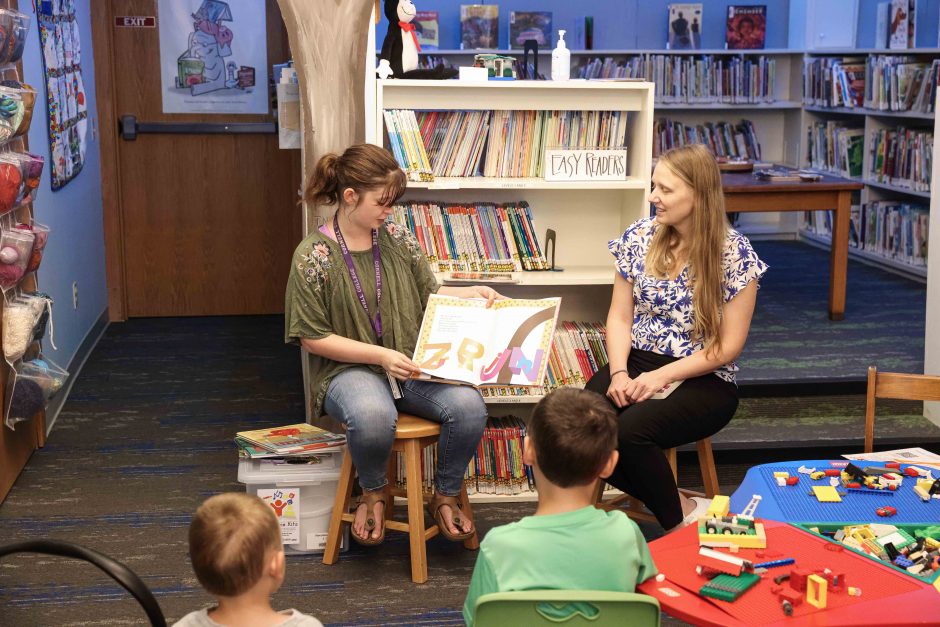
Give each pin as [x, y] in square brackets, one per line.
[566, 607]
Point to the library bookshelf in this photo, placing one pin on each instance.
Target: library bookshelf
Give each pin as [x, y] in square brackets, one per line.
[782, 120]
[871, 123]
[584, 215]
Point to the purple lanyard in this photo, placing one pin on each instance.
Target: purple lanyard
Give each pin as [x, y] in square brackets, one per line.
[376, 257]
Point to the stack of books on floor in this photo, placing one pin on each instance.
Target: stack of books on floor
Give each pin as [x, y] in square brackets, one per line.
[290, 441]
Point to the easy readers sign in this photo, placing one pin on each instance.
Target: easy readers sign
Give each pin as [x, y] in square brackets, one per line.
[586, 165]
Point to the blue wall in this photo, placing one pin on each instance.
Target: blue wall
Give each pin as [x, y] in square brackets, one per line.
[642, 24]
[75, 250]
[618, 24]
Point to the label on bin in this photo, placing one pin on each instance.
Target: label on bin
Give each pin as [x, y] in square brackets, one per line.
[286, 505]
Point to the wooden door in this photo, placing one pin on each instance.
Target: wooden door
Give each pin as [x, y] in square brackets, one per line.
[198, 223]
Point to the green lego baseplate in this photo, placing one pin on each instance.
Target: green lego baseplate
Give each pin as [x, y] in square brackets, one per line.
[728, 587]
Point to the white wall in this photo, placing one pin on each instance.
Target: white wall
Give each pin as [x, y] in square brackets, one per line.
[932, 336]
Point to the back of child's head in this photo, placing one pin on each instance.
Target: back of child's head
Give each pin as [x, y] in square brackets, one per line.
[230, 537]
[574, 433]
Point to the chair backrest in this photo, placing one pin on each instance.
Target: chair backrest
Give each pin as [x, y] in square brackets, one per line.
[909, 387]
[113, 568]
[566, 607]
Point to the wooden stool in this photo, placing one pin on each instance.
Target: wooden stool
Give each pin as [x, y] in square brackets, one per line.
[634, 507]
[412, 436]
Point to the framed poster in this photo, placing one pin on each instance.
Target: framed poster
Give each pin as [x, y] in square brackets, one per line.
[213, 56]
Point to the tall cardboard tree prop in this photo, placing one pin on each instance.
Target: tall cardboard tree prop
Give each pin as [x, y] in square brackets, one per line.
[328, 41]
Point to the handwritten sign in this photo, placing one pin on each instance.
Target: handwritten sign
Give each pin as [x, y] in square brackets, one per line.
[586, 165]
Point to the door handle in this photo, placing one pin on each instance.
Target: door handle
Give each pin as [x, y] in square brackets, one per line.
[130, 128]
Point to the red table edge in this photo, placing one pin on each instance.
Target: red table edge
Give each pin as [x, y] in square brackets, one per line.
[692, 608]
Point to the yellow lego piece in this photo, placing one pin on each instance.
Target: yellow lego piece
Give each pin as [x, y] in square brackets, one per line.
[816, 588]
[783, 474]
[826, 494]
[932, 544]
[815, 476]
[756, 541]
[924, 484]
[720, 506]
[863, 533]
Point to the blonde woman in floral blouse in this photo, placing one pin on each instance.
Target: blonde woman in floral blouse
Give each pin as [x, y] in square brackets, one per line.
[684, 293]
[355, 299]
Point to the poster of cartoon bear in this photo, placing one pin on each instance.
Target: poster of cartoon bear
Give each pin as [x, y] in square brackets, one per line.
[213, 56]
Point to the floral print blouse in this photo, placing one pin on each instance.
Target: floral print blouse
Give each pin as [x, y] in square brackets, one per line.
[321, 299]
[663, 312]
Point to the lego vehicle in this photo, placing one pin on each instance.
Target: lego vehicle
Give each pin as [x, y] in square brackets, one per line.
[728, 525]
[886, 511]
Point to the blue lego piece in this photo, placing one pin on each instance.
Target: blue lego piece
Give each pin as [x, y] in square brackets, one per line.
[903, 562]
[775, 563]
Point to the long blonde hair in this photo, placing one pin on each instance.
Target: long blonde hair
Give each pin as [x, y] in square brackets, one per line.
[696, 166]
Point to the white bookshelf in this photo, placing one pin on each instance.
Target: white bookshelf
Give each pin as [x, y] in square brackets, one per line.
[585, 216]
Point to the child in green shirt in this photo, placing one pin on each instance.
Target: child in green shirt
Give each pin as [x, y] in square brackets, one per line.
[568, 543]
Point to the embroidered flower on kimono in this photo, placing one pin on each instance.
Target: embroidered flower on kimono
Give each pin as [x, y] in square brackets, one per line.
[316, 263]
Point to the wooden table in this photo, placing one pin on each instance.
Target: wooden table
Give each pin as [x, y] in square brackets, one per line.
[744, 193]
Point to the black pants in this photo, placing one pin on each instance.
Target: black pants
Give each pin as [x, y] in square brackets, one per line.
[697, 409]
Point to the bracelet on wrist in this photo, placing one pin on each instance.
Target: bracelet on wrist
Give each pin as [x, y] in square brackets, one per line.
[618, 372]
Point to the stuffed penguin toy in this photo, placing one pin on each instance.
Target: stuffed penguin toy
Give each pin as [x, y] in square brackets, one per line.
[401, 46]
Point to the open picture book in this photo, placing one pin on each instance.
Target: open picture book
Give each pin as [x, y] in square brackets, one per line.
[463, 341]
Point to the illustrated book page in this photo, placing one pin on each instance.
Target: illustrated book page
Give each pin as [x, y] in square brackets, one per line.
[463, 341]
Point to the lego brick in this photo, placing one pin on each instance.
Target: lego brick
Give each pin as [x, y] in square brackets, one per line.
[826, 494]
[719, 506]
[728, 588]
[816, 588]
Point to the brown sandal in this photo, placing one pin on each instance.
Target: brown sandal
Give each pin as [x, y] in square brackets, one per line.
[434, 507]
[370, 499]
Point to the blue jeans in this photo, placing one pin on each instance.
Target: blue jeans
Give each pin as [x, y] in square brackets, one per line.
[362, 400]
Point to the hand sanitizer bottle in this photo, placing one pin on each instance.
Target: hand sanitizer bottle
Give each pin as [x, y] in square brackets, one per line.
[561, 60]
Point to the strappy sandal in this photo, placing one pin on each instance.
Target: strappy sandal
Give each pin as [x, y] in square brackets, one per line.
[457, 516]
[370, 499]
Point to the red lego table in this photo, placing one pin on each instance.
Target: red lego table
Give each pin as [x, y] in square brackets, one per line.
[888, 597]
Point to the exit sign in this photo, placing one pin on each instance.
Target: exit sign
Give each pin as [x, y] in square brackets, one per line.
[135, 21]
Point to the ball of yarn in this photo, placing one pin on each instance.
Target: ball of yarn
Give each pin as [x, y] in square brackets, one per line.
[9, 255]
[10, 275]
[27, 399]
[10, 181]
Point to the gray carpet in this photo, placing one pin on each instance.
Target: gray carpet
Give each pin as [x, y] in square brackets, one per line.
[146, 436]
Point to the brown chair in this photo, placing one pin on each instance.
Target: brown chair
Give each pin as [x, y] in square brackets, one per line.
[908, 387]
[412, 436]
[634, 507]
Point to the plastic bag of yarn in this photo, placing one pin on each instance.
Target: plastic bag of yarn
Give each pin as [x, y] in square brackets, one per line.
[34, 165]
[49, 375]
[12, 111]
[20, 34]
[14, 29]
[19, 322]
[28, 96]
[24, 396]
[12, 183]
[16, 246]
[43, 303]
[40, 237]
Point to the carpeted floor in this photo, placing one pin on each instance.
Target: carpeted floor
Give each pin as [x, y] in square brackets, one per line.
[146, 436]
[792, 337]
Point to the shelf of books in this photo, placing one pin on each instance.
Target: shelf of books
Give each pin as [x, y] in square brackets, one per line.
[870, 118]
[480, 206]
